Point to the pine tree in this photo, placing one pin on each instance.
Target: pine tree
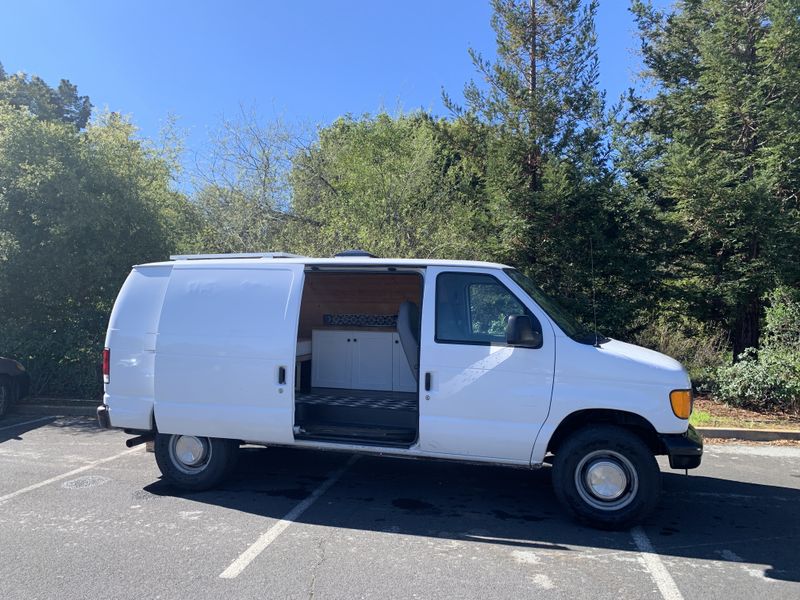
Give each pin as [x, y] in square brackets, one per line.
[722, 75]
[60, 104]
[549, 190]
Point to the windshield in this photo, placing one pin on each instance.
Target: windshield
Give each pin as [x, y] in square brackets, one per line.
[568, 324]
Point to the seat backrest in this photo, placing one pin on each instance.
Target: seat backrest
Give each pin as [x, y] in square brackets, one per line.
[408, 330]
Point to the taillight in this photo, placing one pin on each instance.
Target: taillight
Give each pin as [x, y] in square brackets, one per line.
[106, 365]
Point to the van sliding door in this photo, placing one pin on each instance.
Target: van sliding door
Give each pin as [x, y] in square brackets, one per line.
[226, 349]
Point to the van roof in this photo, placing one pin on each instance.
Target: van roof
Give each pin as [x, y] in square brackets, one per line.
[349, 261]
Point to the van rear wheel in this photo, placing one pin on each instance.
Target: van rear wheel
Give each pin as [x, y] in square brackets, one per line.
[606, 477]
[195, 463]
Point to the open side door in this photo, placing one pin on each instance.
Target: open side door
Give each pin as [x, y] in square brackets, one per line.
[225, 353]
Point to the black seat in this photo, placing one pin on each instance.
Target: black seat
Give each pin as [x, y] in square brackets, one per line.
[408, 330]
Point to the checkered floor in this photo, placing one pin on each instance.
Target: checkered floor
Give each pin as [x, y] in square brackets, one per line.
[359, 399]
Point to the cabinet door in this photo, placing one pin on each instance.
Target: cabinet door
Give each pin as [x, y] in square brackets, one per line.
[372, 360]
[402, 377]
[331, 359]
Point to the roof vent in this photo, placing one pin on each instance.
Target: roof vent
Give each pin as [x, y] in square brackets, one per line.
[354, 253]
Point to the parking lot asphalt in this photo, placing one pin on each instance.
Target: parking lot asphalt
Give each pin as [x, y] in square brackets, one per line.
[82, 516]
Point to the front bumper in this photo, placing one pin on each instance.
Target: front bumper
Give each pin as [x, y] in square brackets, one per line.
[685, 450]
[103, 418]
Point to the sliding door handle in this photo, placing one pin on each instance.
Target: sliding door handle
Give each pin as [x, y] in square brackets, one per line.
[427, 382]
[281, 375]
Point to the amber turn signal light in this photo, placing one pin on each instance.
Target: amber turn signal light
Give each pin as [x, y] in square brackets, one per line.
[681, 401]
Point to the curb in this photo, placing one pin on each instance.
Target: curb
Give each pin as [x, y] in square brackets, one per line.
[749, 435]
[47, 410]
[61, 407]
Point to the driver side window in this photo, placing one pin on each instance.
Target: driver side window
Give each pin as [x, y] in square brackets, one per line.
[473, 308]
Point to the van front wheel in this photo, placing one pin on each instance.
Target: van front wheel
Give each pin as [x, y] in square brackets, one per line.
[195, 463]
[606, 477]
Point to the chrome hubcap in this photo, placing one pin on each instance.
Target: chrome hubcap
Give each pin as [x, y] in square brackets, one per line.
[606, 480]
[189, 454]
[189, 450]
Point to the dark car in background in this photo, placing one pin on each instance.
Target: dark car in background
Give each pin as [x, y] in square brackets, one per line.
[14, 383]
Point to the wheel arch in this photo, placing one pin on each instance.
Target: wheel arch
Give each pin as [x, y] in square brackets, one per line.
[633, 422]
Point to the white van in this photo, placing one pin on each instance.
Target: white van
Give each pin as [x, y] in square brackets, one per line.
[440, 359]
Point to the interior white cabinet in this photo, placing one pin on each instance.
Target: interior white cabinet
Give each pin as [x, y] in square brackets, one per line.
[372, 360]
[331, 359]
[361, 360]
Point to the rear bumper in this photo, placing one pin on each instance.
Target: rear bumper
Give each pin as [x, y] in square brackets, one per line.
[685, 450]
[103, 418]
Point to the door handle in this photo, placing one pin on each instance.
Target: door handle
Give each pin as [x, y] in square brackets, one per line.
[427, 382]
[281, 375]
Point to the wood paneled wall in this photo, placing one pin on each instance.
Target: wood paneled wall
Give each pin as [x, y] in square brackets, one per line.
[355, 293]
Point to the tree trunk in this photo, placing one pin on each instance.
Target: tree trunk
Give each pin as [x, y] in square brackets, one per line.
[533, 158]
[746, 328]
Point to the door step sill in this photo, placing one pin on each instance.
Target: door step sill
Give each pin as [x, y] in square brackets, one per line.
[344, 434]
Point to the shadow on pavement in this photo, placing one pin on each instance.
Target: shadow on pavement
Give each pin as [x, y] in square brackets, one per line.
[14, 427]
[698, 518]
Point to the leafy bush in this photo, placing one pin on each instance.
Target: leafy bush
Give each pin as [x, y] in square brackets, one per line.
[63, 360]
[770, 377]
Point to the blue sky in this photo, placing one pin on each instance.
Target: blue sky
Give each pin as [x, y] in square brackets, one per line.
[307, 61]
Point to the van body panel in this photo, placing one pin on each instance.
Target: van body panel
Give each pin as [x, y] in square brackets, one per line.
[226, 340]
[132, 331]
[486, 402]
[613, 376]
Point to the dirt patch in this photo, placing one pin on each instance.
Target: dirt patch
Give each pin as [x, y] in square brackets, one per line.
[710, 441]
[710, 413]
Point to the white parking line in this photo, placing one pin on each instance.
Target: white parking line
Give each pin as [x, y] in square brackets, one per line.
[15, 425]
[652, 562]
[246, 557]
[85, 467]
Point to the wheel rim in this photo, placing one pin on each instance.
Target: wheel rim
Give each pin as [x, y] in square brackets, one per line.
[189, 454]
[606, 480]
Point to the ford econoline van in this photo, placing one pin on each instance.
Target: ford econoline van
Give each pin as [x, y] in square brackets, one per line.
[440, 359]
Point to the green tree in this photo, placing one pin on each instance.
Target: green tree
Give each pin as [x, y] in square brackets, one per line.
[77, 210]
[60, 104]
[550, 193]
[393, 186]
[722, 133]
[242, 185]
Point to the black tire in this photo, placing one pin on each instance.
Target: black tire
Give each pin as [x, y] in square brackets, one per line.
[6, 394]
[216, 460]
[594, 464]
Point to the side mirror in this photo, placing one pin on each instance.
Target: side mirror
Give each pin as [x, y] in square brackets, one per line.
[524, 331]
